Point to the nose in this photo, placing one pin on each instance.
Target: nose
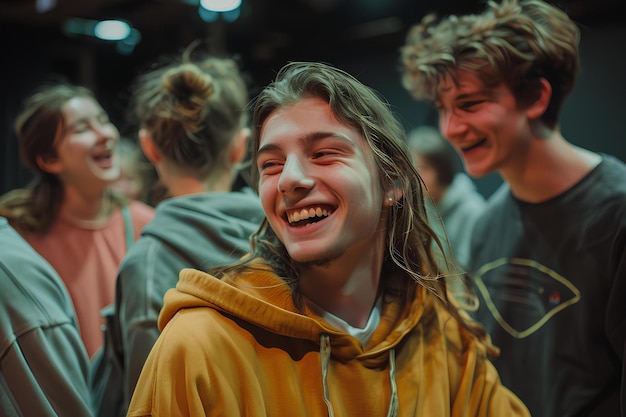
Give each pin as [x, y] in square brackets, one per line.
[106, 131]
[294, 179]
[451, 125]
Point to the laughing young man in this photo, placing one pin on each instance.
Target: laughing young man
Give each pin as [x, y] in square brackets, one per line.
[548, 255]
[340, 309]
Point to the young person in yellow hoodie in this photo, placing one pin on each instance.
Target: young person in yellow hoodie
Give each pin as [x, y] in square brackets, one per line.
[340, 308]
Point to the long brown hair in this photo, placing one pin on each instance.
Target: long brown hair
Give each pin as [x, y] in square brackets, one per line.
[409, 258]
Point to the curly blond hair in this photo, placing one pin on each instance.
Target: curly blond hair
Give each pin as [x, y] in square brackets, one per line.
[515, 42]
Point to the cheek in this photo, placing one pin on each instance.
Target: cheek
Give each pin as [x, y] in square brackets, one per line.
[267, 194]
[75, 146]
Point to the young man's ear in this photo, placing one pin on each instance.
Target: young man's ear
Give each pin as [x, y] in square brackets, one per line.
[49, 163]
[148, 147]
[537, 108]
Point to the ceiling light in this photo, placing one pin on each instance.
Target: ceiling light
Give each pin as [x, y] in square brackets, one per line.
[112, 30]
[43, 6]
[220, 5]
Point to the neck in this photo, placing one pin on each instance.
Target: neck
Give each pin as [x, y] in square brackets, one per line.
[180, 185]
[547, 168]
[86, 208]
[346, 287]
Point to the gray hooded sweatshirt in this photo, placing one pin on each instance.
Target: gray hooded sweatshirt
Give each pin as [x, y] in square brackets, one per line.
[194, 231]
[44, 368]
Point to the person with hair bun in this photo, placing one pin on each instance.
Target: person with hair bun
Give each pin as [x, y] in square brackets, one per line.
[69, 214]
[192, 115]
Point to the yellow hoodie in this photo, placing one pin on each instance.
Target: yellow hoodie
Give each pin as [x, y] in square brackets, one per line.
[239, 347]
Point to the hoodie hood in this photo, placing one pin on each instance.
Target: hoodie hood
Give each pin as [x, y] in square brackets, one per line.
[186, 225]
[264, 300]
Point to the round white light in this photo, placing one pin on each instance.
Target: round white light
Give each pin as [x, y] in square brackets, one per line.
[112, 30]
[220, 5]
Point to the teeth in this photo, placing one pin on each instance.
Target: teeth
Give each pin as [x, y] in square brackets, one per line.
[304, 214]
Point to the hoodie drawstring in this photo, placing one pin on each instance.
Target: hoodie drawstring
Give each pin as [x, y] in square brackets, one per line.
[393, 402]
[325, 360]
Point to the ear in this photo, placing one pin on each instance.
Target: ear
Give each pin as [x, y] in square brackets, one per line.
[238, 149]
[148, 147]
[49, 163]
[394, 194]
[544, 93]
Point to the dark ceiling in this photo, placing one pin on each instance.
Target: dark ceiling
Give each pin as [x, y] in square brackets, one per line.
[266, 31]
[267, 34]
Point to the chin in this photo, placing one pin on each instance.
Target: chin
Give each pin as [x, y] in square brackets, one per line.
[477, 172]
[111, 175]
[309, 259]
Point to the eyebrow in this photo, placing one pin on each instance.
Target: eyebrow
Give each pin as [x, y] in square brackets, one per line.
[308, 139]
[464, 96]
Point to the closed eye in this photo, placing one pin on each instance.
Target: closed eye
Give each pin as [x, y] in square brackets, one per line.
[270, 165]
[470, 105]
[321, 154]
[79, 128]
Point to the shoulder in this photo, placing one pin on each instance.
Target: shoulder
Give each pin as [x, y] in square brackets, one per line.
[611, 172]
[42, 297]
[141, 214]
[496, 206]
[181, 338]
[148, 270]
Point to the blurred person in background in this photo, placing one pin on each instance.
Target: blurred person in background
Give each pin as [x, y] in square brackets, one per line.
[192, 114]
[44, 367]
[134, 181]
[69, 213]
[454, 203]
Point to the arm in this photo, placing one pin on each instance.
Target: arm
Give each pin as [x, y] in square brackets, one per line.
[194, 369]
[615, 313]
[45, 373]
[480, 392]
[44, 368]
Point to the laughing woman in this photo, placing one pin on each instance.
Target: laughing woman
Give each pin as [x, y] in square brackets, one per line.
[69, 213]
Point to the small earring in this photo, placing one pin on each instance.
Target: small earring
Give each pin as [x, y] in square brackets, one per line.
[390, 201]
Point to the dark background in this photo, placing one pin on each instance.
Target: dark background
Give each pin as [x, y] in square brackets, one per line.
[360, 36]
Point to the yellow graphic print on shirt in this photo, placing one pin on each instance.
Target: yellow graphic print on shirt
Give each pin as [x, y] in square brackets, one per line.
[527, 298]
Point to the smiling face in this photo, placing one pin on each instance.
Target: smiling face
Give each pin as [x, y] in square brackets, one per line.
[319, 185]
[484, 124]
[86, 150]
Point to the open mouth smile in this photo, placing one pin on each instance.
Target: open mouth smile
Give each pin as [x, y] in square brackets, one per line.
[304, 216]
[474, 146]
[103, 159]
